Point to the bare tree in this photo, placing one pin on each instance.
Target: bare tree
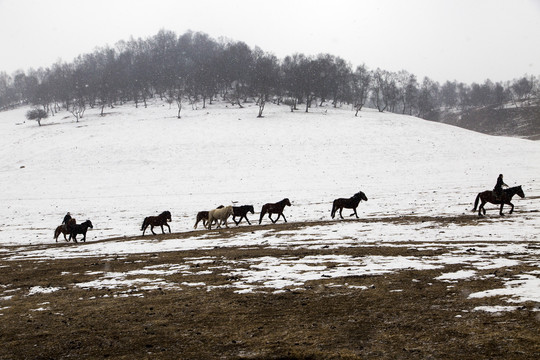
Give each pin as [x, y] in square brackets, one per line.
[361, 80]
[264, 77]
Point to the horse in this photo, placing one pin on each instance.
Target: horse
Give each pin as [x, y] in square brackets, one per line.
[63, 229]
[276, 208]
[242, 211]
[351, 203]
[159, 220]
[489, 196]
[75, 229]
[220, 215]
[203, 216]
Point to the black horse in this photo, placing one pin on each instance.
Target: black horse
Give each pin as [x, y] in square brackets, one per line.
[159, 220]
[276, 208]
[506, 198]
[75, 229]
[242, 211]
[351, 203]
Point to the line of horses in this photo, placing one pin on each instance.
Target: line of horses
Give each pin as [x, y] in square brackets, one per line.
[220, 215]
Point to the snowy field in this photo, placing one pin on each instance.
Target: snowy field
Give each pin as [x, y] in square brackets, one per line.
[420, 178]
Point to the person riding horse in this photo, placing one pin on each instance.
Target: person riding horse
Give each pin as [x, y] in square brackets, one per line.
[66, 218]
[65, 222]
[498, 189]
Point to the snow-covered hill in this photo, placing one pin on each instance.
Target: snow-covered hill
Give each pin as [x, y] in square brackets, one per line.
[421, 179]
[132, 163]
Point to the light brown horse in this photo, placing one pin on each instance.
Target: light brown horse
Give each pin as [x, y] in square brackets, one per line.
[506, 198]
[220, 216]
[203, 216]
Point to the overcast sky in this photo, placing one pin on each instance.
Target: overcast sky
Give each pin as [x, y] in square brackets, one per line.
[463, 40]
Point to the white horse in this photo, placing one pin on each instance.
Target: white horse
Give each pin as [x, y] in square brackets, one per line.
[220, 215]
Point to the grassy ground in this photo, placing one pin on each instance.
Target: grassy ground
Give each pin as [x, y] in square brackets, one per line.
[401, 315]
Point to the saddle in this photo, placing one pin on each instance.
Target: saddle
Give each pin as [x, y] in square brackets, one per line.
[498, 196]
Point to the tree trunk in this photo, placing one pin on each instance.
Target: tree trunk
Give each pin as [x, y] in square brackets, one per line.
[179, 103]
[261, 105]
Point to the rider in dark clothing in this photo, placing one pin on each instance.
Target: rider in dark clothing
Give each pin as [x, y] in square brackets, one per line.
[66, 218]
[65, 223]
[498, 189]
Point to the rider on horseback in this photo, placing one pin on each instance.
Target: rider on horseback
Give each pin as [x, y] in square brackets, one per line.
[498, 189]
[66, 221]
[66, 218]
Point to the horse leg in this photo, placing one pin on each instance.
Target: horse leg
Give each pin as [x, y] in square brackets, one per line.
[247, 220]
[234, 219]
[480, 208]
[84, 237]
[340, 215]
[169, 228]
[283, 217]
[354, 213]
[270, 217]
[162, 231]
[152, 229]
[512, 209]
[500, 211]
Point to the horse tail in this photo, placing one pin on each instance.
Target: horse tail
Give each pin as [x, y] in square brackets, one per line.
[145, 222]
[263, 212]
[476, 202]
[334, 208]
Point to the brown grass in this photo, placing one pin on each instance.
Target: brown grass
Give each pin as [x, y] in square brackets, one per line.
[329, 319]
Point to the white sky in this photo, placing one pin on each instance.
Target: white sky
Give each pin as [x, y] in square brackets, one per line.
[464, 40]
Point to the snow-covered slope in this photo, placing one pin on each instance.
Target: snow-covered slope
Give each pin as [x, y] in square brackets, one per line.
[132, 163]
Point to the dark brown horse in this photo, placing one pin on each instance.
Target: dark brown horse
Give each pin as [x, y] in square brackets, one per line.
[203, 216]
[75, 229]
[64, 229]
[276, 208]
[350, 203]
[159, 220]
[242, 211]
[489, 196]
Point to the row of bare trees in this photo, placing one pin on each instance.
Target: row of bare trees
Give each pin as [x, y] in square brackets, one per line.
[196, 69]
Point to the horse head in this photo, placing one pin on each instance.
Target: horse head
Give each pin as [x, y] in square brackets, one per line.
[519, 192]
[89, 223]
[251, 209]
[287, 202]
[166, 215]
[360, 195]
